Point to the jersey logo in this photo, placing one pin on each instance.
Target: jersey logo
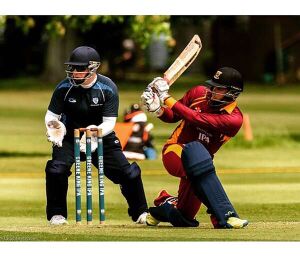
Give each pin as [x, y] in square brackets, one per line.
[95, 101]
[198, 109]
[72, 100]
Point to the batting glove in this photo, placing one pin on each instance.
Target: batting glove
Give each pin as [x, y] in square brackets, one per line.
[56, 131]
[161, 87]
[94, 142]
[151, 101]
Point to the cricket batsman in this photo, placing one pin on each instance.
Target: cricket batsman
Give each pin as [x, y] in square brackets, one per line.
[208, 117]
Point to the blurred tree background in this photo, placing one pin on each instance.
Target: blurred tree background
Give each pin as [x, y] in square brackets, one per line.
[264, 48]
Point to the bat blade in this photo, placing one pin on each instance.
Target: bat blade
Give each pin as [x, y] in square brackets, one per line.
[184, 60]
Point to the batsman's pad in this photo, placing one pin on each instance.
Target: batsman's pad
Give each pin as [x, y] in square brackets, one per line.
[168, 213]
[178, 220]
[200, 170]
[161, 212]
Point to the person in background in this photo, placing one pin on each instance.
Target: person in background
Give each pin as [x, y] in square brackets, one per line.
[140, 143]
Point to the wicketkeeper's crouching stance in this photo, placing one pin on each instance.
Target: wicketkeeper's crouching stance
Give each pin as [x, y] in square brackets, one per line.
[209, 117]
[87, 99]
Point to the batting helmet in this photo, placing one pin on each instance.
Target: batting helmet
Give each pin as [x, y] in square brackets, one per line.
[226, 78]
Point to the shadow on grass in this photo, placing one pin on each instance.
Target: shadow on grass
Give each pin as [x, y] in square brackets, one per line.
[14, 154]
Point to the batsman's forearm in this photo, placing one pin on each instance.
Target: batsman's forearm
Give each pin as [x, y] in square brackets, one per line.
[168, 116]
[222, 123]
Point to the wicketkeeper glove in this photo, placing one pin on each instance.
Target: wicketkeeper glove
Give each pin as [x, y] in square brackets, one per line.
[56, 131]
[94, 142]
[151, 101]
[161, 87]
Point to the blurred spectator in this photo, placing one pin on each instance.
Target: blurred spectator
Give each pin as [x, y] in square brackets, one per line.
[139, 145]
[158, 51]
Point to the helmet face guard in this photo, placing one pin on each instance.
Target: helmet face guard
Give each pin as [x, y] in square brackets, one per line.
[228, 79]
[88, 70]
[227, 98]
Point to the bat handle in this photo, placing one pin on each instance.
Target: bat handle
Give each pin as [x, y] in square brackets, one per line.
[166, 79]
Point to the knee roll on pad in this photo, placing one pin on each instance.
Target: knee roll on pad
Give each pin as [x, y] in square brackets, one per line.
[56, 167]
[196, 159]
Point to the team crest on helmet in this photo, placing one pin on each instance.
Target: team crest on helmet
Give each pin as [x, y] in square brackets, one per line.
[217, 75]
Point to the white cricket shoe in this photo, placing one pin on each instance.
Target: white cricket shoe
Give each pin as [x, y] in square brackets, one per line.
[58, 220]
[233, 222]
[142, 218]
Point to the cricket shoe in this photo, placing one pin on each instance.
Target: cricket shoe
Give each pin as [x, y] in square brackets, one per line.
[142, 218]
[236, 223]
[58, 220]
[151, 221]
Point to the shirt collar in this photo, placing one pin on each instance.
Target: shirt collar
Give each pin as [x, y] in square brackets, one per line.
[91, 84]
[230, 107]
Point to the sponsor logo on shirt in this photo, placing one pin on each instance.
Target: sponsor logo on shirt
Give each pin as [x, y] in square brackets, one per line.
[72, 100]
[203, 136]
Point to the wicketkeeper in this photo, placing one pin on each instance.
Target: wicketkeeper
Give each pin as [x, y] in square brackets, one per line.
[208, 117]
[87, 99]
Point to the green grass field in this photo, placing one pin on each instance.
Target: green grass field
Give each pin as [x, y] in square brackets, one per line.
[262, 177]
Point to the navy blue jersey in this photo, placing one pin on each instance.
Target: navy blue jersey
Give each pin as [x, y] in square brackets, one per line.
[82, 107]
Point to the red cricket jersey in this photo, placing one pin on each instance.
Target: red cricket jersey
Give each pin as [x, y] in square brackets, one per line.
[199, 122]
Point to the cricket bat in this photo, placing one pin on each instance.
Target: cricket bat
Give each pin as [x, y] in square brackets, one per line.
[184, 60]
